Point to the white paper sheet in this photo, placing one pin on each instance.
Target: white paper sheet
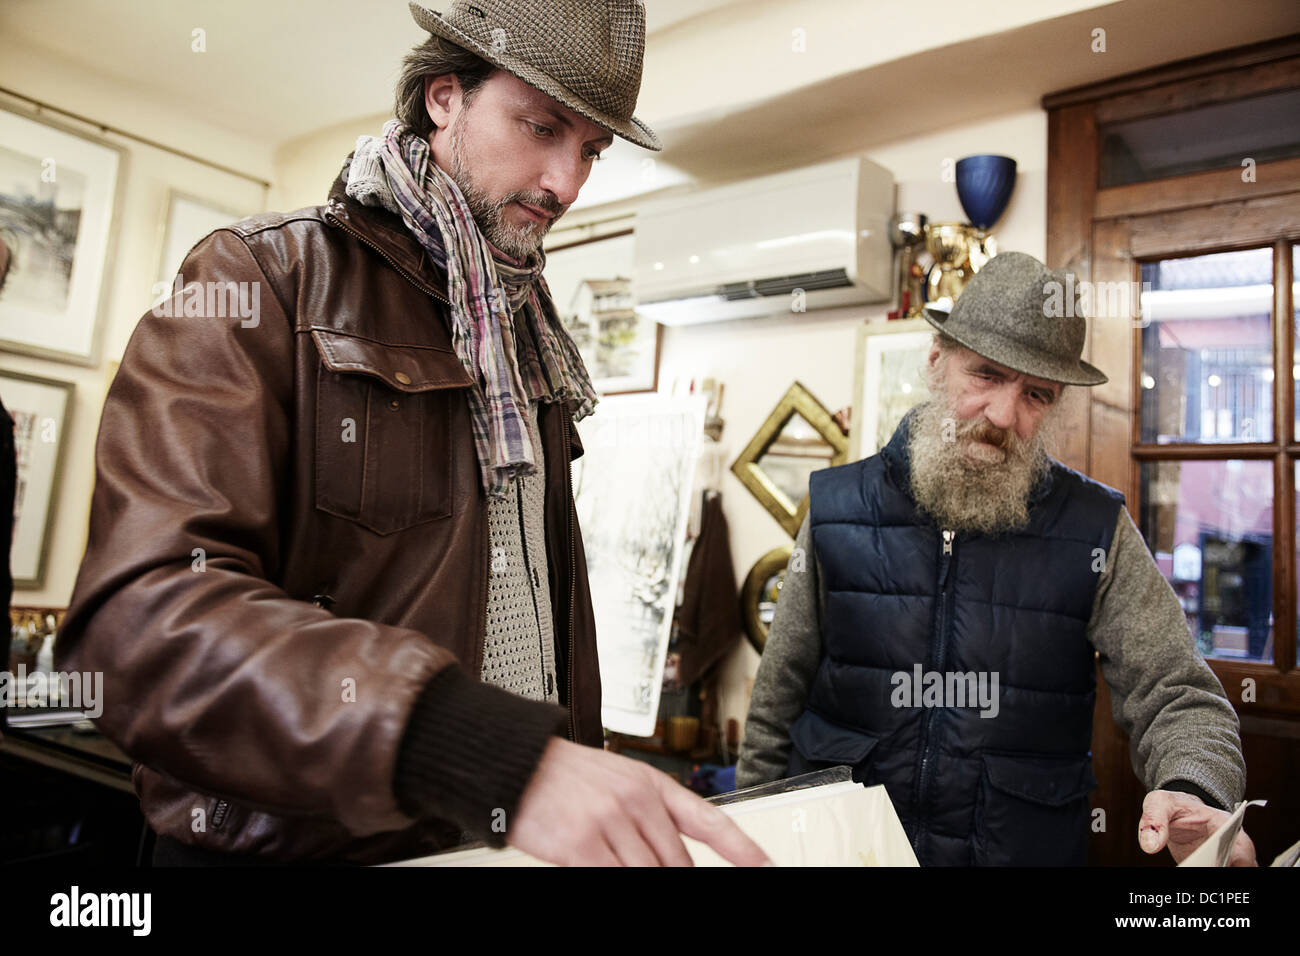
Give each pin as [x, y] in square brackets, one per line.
[838, 824]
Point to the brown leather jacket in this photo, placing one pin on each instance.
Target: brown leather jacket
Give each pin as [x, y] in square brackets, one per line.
[265, 596]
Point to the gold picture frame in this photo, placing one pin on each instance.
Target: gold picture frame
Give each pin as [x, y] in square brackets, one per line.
[757, 600]
[765, 486]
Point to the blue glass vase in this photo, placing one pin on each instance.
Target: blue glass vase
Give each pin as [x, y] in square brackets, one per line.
[984, 185]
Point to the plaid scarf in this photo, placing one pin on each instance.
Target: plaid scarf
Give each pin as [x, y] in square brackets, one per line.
[504, 325]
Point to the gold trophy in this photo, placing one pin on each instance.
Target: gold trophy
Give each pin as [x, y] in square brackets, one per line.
[949, 243]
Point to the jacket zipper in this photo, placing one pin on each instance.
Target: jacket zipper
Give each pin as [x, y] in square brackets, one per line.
[568, 518]
[938, 654]
[330, 217]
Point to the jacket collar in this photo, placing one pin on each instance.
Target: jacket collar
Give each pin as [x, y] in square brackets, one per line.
[898, 461]
[386, 232]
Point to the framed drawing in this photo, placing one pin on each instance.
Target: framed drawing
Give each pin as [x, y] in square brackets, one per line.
[591, 285]
[187, 220]
[59, 194]
[888, 379]
[632, 489]
[40, 408]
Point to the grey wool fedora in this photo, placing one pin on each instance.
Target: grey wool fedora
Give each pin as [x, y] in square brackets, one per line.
[1021, 314]
[585, 54]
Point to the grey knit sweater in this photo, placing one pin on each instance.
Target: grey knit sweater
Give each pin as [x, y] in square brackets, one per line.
[519, 644]
[1184, 734]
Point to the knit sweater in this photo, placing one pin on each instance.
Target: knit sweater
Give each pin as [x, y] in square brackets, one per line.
[1184, 733]
[519, 646]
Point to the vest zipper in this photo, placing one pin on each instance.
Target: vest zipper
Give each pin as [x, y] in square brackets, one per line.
[331, 218]
[938, 648]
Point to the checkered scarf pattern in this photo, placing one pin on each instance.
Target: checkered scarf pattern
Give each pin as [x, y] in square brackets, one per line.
[505, 328]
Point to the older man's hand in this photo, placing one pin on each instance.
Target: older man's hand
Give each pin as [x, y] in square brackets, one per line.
[1183, 822]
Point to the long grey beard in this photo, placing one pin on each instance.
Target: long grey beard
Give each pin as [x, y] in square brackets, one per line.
[971, 496]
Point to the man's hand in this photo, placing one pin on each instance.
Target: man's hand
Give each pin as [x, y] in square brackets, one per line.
[1183, 822]
[586, 807]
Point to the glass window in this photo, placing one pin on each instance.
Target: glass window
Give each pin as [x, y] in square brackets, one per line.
[1207, 348]
[1210, 526]
[1218, 136]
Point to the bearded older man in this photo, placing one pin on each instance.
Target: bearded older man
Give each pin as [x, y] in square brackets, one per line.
[937, 625]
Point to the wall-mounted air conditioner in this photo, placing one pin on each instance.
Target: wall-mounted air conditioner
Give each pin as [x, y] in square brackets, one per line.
[748, 248]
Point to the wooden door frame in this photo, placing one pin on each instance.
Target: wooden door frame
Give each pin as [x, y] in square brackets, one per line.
[1102, 234]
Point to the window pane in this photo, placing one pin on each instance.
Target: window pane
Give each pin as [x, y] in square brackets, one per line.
[1210, 526]
[1207, 348]
[1217, 136]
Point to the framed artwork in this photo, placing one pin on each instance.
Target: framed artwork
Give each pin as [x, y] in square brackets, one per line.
[40, 408]
[888, 380]
[632, 490]
[59, 195]
[591, 286]
[187, 220]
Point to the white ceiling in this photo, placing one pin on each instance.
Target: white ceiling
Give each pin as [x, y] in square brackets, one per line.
[720, 85]
[274, 69]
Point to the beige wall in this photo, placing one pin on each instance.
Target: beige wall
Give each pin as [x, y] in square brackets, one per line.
[307, 167]
[147, 175]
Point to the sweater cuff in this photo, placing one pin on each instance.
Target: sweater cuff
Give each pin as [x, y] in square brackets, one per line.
[469, 751]
[1186, 786]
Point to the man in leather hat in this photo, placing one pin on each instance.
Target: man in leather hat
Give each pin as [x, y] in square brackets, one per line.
[944, 599]
[334, 576]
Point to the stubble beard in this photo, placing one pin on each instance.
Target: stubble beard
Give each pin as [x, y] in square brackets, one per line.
[519, 242]
[970, 495]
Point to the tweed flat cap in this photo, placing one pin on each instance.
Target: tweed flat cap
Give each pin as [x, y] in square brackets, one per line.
[586, 55]
[1017, 312]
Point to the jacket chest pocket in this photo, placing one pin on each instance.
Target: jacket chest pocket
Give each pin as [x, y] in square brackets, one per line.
[384, 446]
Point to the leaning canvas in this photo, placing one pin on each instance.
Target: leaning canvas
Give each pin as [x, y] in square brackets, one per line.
[632, 490]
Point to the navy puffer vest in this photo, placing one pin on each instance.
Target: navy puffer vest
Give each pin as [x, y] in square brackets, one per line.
[905, 600]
